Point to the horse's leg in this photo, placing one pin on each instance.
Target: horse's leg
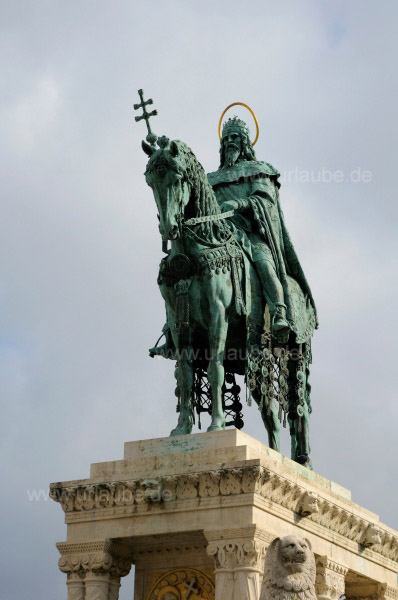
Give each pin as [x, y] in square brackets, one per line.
[305, 424]
[184, 376]
[185, 384]
[300, 447]
[215, 371]
[293, 440]
[271, 422]
[299, 425]
[304, 457]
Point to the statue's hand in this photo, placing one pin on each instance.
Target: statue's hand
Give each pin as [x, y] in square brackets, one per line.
[229, 205]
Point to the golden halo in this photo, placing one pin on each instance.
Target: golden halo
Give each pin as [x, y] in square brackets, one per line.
[252, 114]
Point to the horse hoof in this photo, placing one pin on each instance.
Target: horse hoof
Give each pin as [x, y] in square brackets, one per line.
[179, 431]
[304, 460]
[182, 429]
[216, 427]
[176, 431]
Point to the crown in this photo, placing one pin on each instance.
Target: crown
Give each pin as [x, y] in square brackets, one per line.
[235, 124]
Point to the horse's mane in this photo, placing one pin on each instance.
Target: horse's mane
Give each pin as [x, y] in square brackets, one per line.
[203, 200]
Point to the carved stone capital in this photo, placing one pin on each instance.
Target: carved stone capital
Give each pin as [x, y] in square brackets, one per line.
[93, 557]
[387, 592]
[371, 590]
[233, 549]
[233, 555]
[330, 579]
[239, 562]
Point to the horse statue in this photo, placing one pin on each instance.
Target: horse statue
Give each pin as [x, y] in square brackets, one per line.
[215, 307]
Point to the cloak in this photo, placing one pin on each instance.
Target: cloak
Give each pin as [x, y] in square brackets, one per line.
[257, 182]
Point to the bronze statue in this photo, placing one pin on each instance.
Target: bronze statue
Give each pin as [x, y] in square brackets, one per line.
[237, 300]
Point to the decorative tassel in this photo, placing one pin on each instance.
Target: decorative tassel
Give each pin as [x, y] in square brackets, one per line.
[248, 396]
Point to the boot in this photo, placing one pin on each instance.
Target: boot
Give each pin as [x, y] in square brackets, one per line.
[167, 350]
[280, 326]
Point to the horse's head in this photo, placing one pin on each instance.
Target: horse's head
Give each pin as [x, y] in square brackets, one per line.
[165, 175]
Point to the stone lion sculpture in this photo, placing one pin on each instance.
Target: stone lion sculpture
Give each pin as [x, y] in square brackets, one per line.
[309, 504]
[289, 570]
[372, 536]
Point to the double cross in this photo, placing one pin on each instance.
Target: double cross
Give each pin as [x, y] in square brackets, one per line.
[145, 114]
[191, 588]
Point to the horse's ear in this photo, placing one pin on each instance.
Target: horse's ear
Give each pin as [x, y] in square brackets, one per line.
[174, 151]
[147, 148]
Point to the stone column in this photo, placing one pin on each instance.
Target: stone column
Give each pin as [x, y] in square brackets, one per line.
[239, 563]
[330, 579]
[120, 568]
[96, 585]
[93, 570]
[114, 586]
[75, 585]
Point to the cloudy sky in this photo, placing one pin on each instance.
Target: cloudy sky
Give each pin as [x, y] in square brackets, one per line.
[80, 248]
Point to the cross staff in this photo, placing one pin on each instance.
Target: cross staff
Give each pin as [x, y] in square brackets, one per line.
[146, 115]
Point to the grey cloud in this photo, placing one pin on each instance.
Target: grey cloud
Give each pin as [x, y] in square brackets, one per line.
[80, 249]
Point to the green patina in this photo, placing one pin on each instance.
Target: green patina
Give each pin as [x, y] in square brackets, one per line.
[237, 300]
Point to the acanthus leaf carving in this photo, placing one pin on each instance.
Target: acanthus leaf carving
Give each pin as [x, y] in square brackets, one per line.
[235, 554]
[98, 561]
[169, 484]
[231, 482]
[187, 486]
[251, 479]
[209, 484]
[137, 496]
[330, 579]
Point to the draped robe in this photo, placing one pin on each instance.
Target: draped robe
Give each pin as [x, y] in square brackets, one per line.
[261, 230]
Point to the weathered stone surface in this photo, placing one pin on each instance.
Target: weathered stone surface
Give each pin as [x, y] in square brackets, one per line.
[289, 570]
[216, 497]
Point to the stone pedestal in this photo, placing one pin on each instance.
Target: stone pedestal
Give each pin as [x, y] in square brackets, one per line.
[195, 515]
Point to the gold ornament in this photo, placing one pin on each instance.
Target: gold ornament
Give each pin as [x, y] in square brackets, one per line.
[182, 584]
[252, 114]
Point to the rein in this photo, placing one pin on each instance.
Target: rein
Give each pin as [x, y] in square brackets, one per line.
[208, 218]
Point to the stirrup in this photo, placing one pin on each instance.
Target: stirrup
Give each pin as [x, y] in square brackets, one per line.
[165, 350]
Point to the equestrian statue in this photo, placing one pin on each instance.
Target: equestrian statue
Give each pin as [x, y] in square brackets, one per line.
[237, 300]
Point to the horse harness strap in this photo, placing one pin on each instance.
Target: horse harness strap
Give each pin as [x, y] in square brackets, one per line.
[227, 257]
[208, 218]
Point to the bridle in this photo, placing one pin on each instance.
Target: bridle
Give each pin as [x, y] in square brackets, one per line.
[186, 224]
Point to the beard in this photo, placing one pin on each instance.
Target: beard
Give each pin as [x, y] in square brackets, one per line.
[231, 156]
